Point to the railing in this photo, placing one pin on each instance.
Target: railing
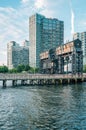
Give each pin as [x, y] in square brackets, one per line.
[39, 76]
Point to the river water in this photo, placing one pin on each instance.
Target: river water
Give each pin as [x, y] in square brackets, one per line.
[43, 107]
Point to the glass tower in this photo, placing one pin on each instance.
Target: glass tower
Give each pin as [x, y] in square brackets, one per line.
[44, 34]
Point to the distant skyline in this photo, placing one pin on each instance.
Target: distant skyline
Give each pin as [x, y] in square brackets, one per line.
[14, 19]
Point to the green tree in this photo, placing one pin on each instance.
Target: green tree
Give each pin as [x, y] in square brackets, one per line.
[14, 70]
[84, 68]
[36, 70]
[31, 70]
[27, 67]
[20, 68]
[3, 69]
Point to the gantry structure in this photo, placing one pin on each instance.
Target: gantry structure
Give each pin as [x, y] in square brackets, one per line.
[67, 58]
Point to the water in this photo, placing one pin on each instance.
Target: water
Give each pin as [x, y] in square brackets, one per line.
[43, 108]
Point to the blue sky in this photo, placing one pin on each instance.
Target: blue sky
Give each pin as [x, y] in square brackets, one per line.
[9, 3]
[14, 19]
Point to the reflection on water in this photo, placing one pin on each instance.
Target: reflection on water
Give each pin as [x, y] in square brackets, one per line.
[43, 108]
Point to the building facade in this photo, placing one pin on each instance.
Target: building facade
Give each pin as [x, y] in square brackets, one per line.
[26, 43]
[82, 37]
[16, 55]
[44, 33]
[67, 58]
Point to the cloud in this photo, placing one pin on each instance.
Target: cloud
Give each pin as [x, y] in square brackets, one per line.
[72, 17]
[39, 4]
[14, 22]
[84, 23]
[81, 26]
[72, 22]
[3, 54]
[24, 1]
[13, 26]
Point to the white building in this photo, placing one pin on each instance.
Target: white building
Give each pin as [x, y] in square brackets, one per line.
[16, 55]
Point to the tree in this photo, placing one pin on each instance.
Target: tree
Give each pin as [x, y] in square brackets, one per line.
[20, 68]
[36, 70]
[3, 69]
[84, 68]
[14, 70]
[27, 67]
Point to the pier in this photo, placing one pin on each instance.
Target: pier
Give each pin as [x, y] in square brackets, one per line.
[41, 79]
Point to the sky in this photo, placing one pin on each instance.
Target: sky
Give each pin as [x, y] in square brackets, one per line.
[14, 19]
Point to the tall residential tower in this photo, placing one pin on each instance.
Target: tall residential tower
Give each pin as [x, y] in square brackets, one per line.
[82, 36]
[44, 33]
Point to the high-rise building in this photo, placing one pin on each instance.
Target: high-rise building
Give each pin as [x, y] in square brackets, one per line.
[44, 33]
[82, 36]
[16, 55]
[26, 43]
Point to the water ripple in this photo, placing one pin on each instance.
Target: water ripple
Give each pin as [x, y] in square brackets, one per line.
[43, 108]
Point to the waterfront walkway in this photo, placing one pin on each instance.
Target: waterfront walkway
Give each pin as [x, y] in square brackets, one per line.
[41, 79]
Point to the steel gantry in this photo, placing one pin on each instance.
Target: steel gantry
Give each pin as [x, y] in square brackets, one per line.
[67, 58]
